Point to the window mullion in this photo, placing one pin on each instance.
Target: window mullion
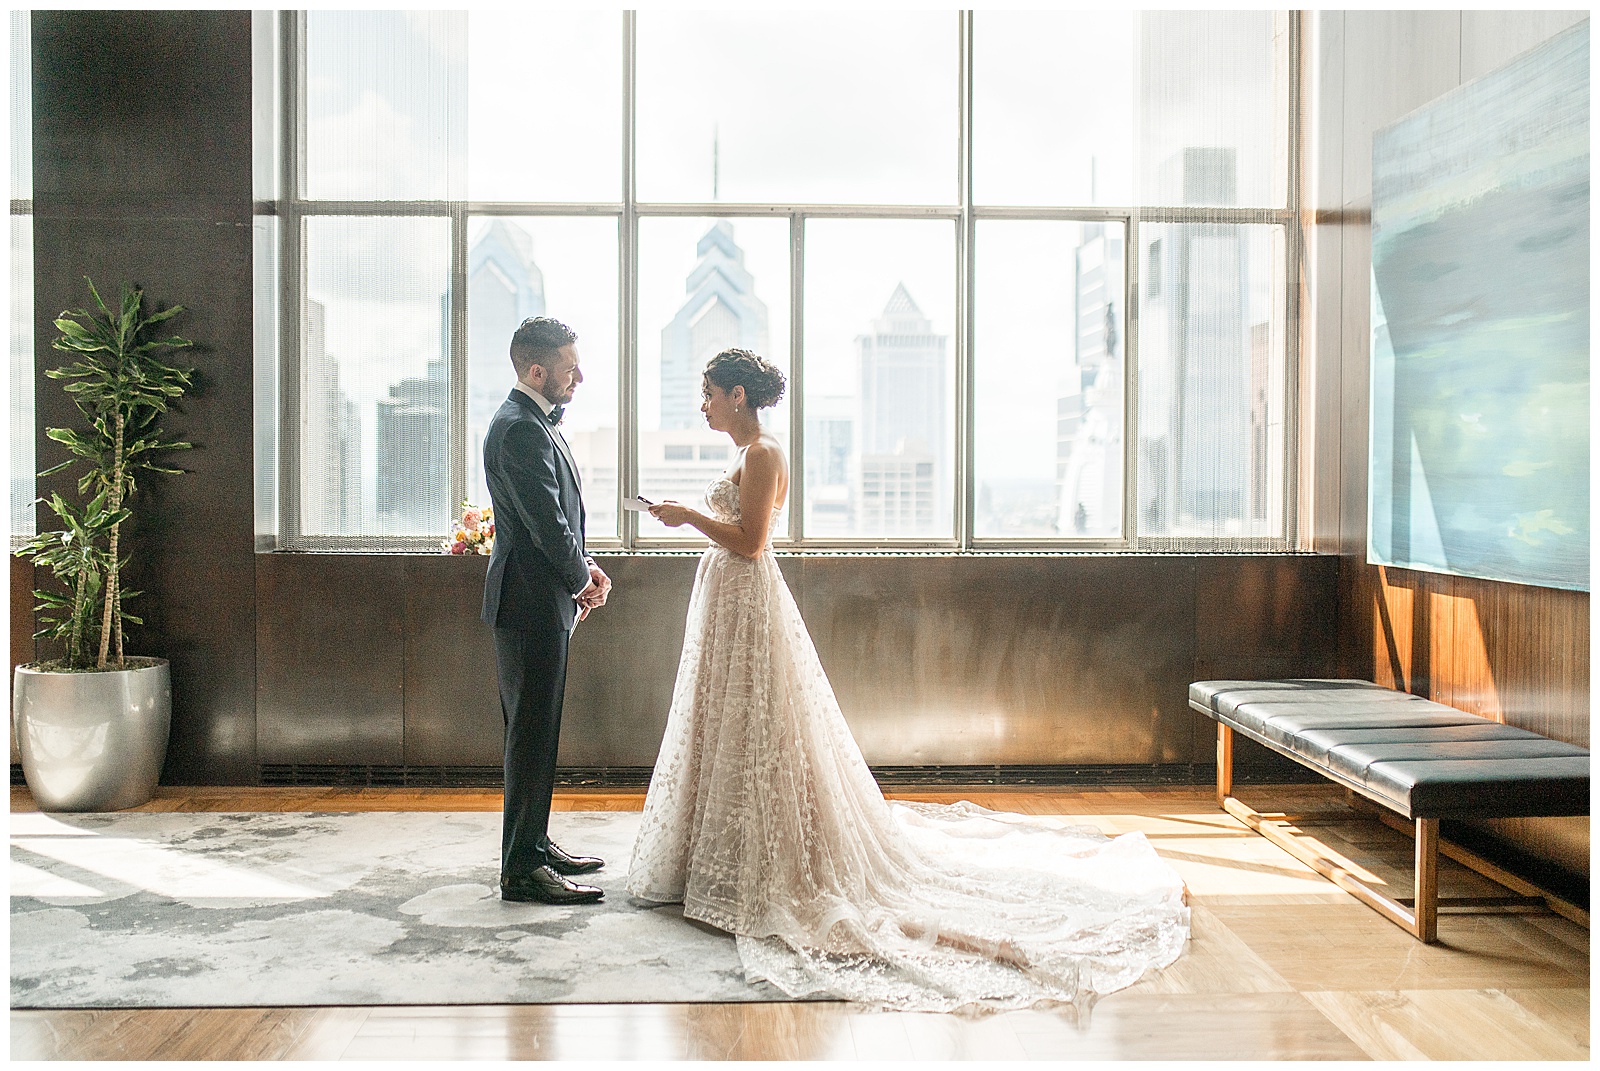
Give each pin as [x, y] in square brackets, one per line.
[1130, 383]
[965, 422]
[1294, 278]
[291, 274]
[797, 379]
[458, 358]
[628, 295]
[294, 210]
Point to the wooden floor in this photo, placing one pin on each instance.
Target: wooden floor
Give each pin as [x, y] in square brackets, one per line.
[1282, 965]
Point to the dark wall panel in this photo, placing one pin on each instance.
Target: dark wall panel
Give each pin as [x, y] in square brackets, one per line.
[452, 706]
[141, 107]
[331, 659]
[624, 660]
[141, 136]
[1007, 660]
[935, 660]
[1262, 617]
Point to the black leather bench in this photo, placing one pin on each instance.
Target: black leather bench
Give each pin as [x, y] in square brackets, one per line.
[1419, 759]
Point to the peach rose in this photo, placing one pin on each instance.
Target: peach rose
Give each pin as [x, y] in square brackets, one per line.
[470, 520]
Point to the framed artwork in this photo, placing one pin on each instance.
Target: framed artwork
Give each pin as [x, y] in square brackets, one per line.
[1479, 462]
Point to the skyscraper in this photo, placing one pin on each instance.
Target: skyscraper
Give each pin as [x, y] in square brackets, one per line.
[1089, 407]
[330, 449]
[413, 481]
[1197, 361]
[830, 442]
[721, 311]
[504, 287]
[903, 474]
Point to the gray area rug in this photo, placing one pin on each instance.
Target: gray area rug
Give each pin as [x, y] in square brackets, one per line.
[141, 910]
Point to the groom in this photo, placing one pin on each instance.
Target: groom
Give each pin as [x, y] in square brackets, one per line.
[540, 585]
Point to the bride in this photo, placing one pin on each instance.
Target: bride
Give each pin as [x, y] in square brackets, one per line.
[763, 820]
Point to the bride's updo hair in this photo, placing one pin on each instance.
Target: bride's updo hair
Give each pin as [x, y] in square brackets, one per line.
[762, 382]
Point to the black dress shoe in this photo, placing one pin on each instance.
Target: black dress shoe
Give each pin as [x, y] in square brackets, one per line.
[562, 863]
[545, 886]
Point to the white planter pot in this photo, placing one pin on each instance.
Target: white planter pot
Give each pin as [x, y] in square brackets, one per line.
[93, 740]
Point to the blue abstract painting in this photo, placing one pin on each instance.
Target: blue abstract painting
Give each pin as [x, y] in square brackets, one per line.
[1480, 327]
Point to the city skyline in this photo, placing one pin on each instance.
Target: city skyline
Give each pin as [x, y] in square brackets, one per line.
[877, 457]
[418, 104]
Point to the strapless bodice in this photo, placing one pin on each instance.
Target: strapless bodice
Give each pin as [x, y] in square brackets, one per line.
[722, 495]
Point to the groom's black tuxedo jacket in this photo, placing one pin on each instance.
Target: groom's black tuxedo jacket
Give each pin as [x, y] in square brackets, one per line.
[538, 563]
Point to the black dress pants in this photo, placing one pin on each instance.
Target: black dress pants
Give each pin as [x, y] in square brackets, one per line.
[532, 667]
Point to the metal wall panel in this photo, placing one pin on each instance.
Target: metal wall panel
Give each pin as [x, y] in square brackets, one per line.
[1260, 618]
[623, 662]
[330, 658]
[936, 661]
[452, 704]
[972, 661]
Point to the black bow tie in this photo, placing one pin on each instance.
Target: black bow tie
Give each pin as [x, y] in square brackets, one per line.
[556, 412]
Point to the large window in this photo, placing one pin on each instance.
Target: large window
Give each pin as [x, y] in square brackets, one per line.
[1029, 274]
[20, 379]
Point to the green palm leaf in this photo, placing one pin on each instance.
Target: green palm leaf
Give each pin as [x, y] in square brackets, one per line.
[116, 377]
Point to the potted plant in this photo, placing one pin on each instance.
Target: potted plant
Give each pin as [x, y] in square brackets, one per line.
[92, 724]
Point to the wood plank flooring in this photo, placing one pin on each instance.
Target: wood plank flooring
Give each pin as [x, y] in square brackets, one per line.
[1281, 965]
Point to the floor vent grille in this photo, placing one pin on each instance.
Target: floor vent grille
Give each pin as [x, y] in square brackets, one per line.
[636, 777]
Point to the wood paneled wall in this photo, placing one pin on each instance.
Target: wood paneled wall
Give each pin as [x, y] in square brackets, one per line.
[1516, 653]
[1511, 652]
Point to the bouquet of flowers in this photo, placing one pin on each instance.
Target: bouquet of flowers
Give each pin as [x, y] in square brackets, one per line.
[475, 533]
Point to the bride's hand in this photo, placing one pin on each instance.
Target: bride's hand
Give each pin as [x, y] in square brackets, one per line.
[671, 513]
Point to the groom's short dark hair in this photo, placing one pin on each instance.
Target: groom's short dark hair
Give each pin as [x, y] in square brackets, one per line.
[536, 341]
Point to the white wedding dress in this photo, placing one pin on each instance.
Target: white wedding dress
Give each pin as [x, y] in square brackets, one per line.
[763, 820]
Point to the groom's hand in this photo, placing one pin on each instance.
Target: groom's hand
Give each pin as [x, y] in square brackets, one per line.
[594, 595]
[599, 588]
[588, 599]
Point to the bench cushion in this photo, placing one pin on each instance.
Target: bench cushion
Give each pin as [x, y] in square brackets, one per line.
[1223, 697]
[1483, 788]
[1314, 743]
[1421, 758]
[1354, 760]
[1256, 714]
[1285, 729]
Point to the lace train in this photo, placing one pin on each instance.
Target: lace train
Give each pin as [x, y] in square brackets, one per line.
[763, 820]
